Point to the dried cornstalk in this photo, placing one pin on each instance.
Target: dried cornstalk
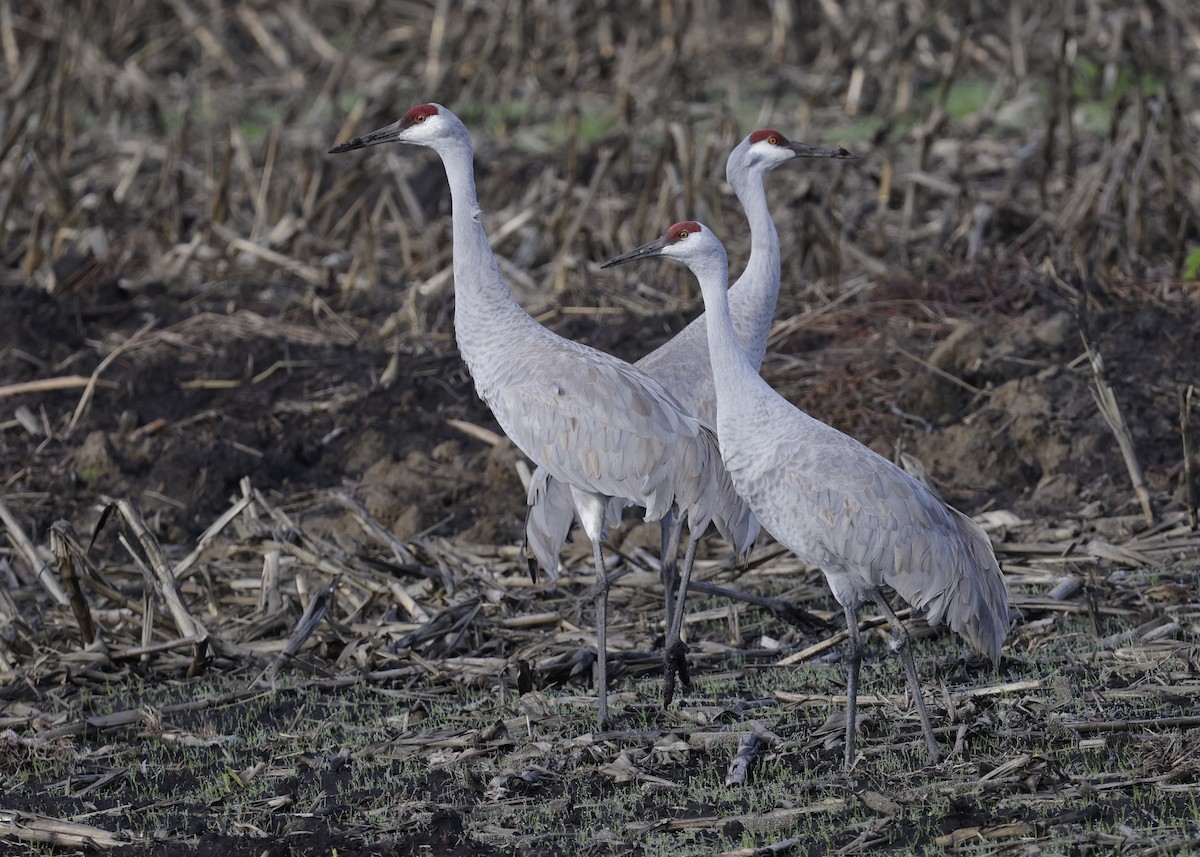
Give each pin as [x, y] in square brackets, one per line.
[27, 827]
[269, 599]
[26, 549]
[206, 538]
[318, 606]
[163, 580]
[748, 750]
[1106, 401]
[65, 547]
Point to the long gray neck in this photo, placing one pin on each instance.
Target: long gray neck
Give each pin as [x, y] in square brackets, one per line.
[754, 295]
[733, 373]
[485, 312]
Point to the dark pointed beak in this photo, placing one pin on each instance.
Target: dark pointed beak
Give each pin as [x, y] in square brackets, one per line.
[804, 150]
[646, 251]
[388, 134]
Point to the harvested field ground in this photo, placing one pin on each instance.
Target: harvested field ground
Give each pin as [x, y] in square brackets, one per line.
[261, 585]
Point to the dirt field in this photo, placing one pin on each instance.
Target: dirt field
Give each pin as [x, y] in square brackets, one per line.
[227, 371]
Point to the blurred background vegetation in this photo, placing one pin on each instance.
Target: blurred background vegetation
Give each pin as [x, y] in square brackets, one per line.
[184, 141]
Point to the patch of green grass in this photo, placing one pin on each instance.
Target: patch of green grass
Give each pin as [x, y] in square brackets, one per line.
[968, 97]
[1191, 263]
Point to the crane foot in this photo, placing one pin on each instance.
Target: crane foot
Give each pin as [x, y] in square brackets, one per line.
[675, 663]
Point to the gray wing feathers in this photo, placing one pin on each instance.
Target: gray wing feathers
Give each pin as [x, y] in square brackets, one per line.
[681, 365]
[939, 561]
[731, 514]
[607, 429]
[866, 522]
[548, 520]
[613, 431]
[551, 513]
[960, 584]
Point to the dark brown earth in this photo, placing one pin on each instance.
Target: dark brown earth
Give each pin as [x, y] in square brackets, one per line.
[218, 393]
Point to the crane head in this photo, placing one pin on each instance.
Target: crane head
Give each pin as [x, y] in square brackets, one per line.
[686, 241]
[419, 126]
[766, 149]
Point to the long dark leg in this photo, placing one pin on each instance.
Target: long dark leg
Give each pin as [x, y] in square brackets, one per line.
[600, 600]
[674, 649]
[791, 613]
[853, 662]
[904, 648]
[672, 526]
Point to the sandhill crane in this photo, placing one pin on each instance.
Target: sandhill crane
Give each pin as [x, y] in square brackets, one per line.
[682, 366]
[835, 503]
[595, 423]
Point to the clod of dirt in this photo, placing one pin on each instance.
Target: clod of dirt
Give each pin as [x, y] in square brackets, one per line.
[1058, 491]
[1053, 332]
[95, 461]
[1020, 438]
[391, 491]
[365, 451]
[500, 502]
[960, 355]
[961, 351]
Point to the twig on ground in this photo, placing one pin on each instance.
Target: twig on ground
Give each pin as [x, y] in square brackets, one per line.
[65, 546]
[28, 827]
[46, 385]
[85, 400]
[1106, 401]
[23, 546]
[1151, 723]
[131, 716]
[781, 847]
[785, 610]
[836, 639]
[1189, 466]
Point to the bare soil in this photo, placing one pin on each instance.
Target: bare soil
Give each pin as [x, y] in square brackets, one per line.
[300, 408]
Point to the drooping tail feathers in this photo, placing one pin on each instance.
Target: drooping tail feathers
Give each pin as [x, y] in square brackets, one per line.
[549, 518]
[547, 522]
[968, 592]
[732, 516]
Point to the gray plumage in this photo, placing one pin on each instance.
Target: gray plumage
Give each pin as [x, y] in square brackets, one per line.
[595, 423]
[835, 503]
[682, 366]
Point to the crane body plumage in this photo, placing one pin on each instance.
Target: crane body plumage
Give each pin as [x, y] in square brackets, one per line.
[681, 363]
[863, 524]
[835, 503]
[596, 424]
[682, 366]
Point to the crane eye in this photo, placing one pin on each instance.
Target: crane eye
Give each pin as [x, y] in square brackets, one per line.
[421, 117]
[773, 140]
[683, 233]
